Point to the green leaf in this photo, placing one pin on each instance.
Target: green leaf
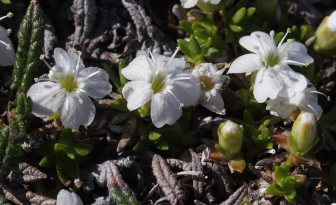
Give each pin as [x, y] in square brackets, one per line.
[239, 16]
[162, 145]
[187, 26]
[120, 104]
[274, 190]
[6, 1]
[329, 138]
[154, 136]
[236, 28]
[250, 12]
[144, 111]
[60, 147]
[62, 175]
[122, 198]
[114, 78]
[66, 137]
[72, 168]
[48, 161]
[70, 153]
[30, 44]
[122, 65]
[82, 149]
[328, 121]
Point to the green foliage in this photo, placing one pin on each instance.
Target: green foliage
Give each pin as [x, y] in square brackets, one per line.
[65, 155]
[6, 1]
[284, 183]
[117, 80]
[8, 153]
[30, 44]
[328, 124]
[122, 198]
[205, 41]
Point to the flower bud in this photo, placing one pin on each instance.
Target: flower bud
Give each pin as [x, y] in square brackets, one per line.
[230, 138]
[303, 135]
[326, 35]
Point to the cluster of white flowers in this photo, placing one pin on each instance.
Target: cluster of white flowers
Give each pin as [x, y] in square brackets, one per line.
[6, 47]
[191, 3]
[168, 87]
[68, 90]
[64, 197]
[286, 89]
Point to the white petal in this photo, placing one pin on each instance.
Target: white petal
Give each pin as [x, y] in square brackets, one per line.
[94, 82]
[186, 88]
[169, 65]
[77, 109]
[258, 42]
[280, 107]
[67, 62]
[165, 109]
[188, 3]
[295, 54]
[47, 98]
[137, 93]
[245, 63]
[6, 55]
[266, 85]
[141, 68]
[64, 197]
[331, 21]
[215, 104]
[292, 81]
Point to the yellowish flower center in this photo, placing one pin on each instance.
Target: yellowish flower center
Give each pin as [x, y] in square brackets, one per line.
[207, 83]
[158, 83]
[271, 60]
[69, 83]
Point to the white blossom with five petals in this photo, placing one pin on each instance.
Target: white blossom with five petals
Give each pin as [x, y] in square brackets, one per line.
[65, 197]
[274, 76]
[191, 3]
[160, 81]
[211, 81]
[68, 90]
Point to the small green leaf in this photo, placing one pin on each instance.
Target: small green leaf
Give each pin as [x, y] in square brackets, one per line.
[60, 147]
[48, 161]
[82, 149]
[114, 78]
[120, 104]
[122, 65]
[72, 168]
[144, 111]
[250, 12]
[187, 26]
[236, 28]
[239, 16]
[274, 190]
[62, 175]
[154, 136]
[66, 136]
[6, 1]
[162, 145]
[70, 153]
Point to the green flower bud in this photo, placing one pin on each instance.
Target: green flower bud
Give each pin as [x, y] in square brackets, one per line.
[303, 135]
[326, 35]
[230, 138]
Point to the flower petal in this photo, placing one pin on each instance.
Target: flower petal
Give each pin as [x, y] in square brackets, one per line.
[137, 93]
[141, 68]
[188, 3]
[6, 55]
[169, 65]
[266, 85]
[295, 54]
[67, 62]
[258, 42]
[280, 107]
[215, 104]
[47, 98]
[165, 109]
[77, 110]
[245, 63]
[293, 81]
[64, 197]
[95, 82]
[186, 88]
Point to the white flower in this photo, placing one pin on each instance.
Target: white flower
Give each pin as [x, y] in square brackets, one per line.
[161, 81]
[191, 3]
[68, 89]
[331, 21]
[64, 197]
[274, 76]
[6, 47]
[304, 100]
[211, 80]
